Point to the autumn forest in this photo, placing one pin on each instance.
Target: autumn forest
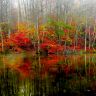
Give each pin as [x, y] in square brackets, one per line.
[47, 48]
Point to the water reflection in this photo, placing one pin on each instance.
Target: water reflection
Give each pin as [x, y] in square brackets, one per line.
[52, 75]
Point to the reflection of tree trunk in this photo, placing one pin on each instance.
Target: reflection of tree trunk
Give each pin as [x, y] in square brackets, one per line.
[37, 81]
[89, 66]
[85, 64]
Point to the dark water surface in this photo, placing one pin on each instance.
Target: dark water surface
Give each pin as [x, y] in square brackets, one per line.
[52, 75]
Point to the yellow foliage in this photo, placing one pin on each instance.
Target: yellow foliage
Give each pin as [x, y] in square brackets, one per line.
[26, 29]
[42, 27]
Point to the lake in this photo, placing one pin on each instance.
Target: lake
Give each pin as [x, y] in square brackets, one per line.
[26, 74]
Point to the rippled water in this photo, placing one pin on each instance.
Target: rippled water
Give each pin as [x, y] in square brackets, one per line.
[52, 75]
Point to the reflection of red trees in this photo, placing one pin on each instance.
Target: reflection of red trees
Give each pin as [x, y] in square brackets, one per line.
[66, 69]
[25, 69]
[50, 64]
[90, 71]
[53, 64]
[50, 61]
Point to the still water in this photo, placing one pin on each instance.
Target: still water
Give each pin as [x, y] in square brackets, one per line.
[26, 74]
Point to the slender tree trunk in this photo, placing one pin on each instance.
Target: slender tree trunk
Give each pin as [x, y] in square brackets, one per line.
[86, 28]
[37, 27]
[85, 41]
[2, 40]
[89, 39]
[9, 19]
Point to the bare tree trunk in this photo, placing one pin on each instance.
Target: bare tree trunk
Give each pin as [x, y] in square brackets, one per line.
[89, 39]
[2, 40]
[9, 19]
[37, 27]
[86, 35]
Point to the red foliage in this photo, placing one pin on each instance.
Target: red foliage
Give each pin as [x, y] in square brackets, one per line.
[20, 39]
[66, 30]
[51, 46]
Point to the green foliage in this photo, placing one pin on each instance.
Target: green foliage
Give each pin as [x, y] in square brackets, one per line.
[59, 32]
[59, 27]
[59, 24]
[63, 25]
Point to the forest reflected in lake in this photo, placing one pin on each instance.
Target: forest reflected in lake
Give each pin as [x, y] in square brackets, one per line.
[52, 75]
